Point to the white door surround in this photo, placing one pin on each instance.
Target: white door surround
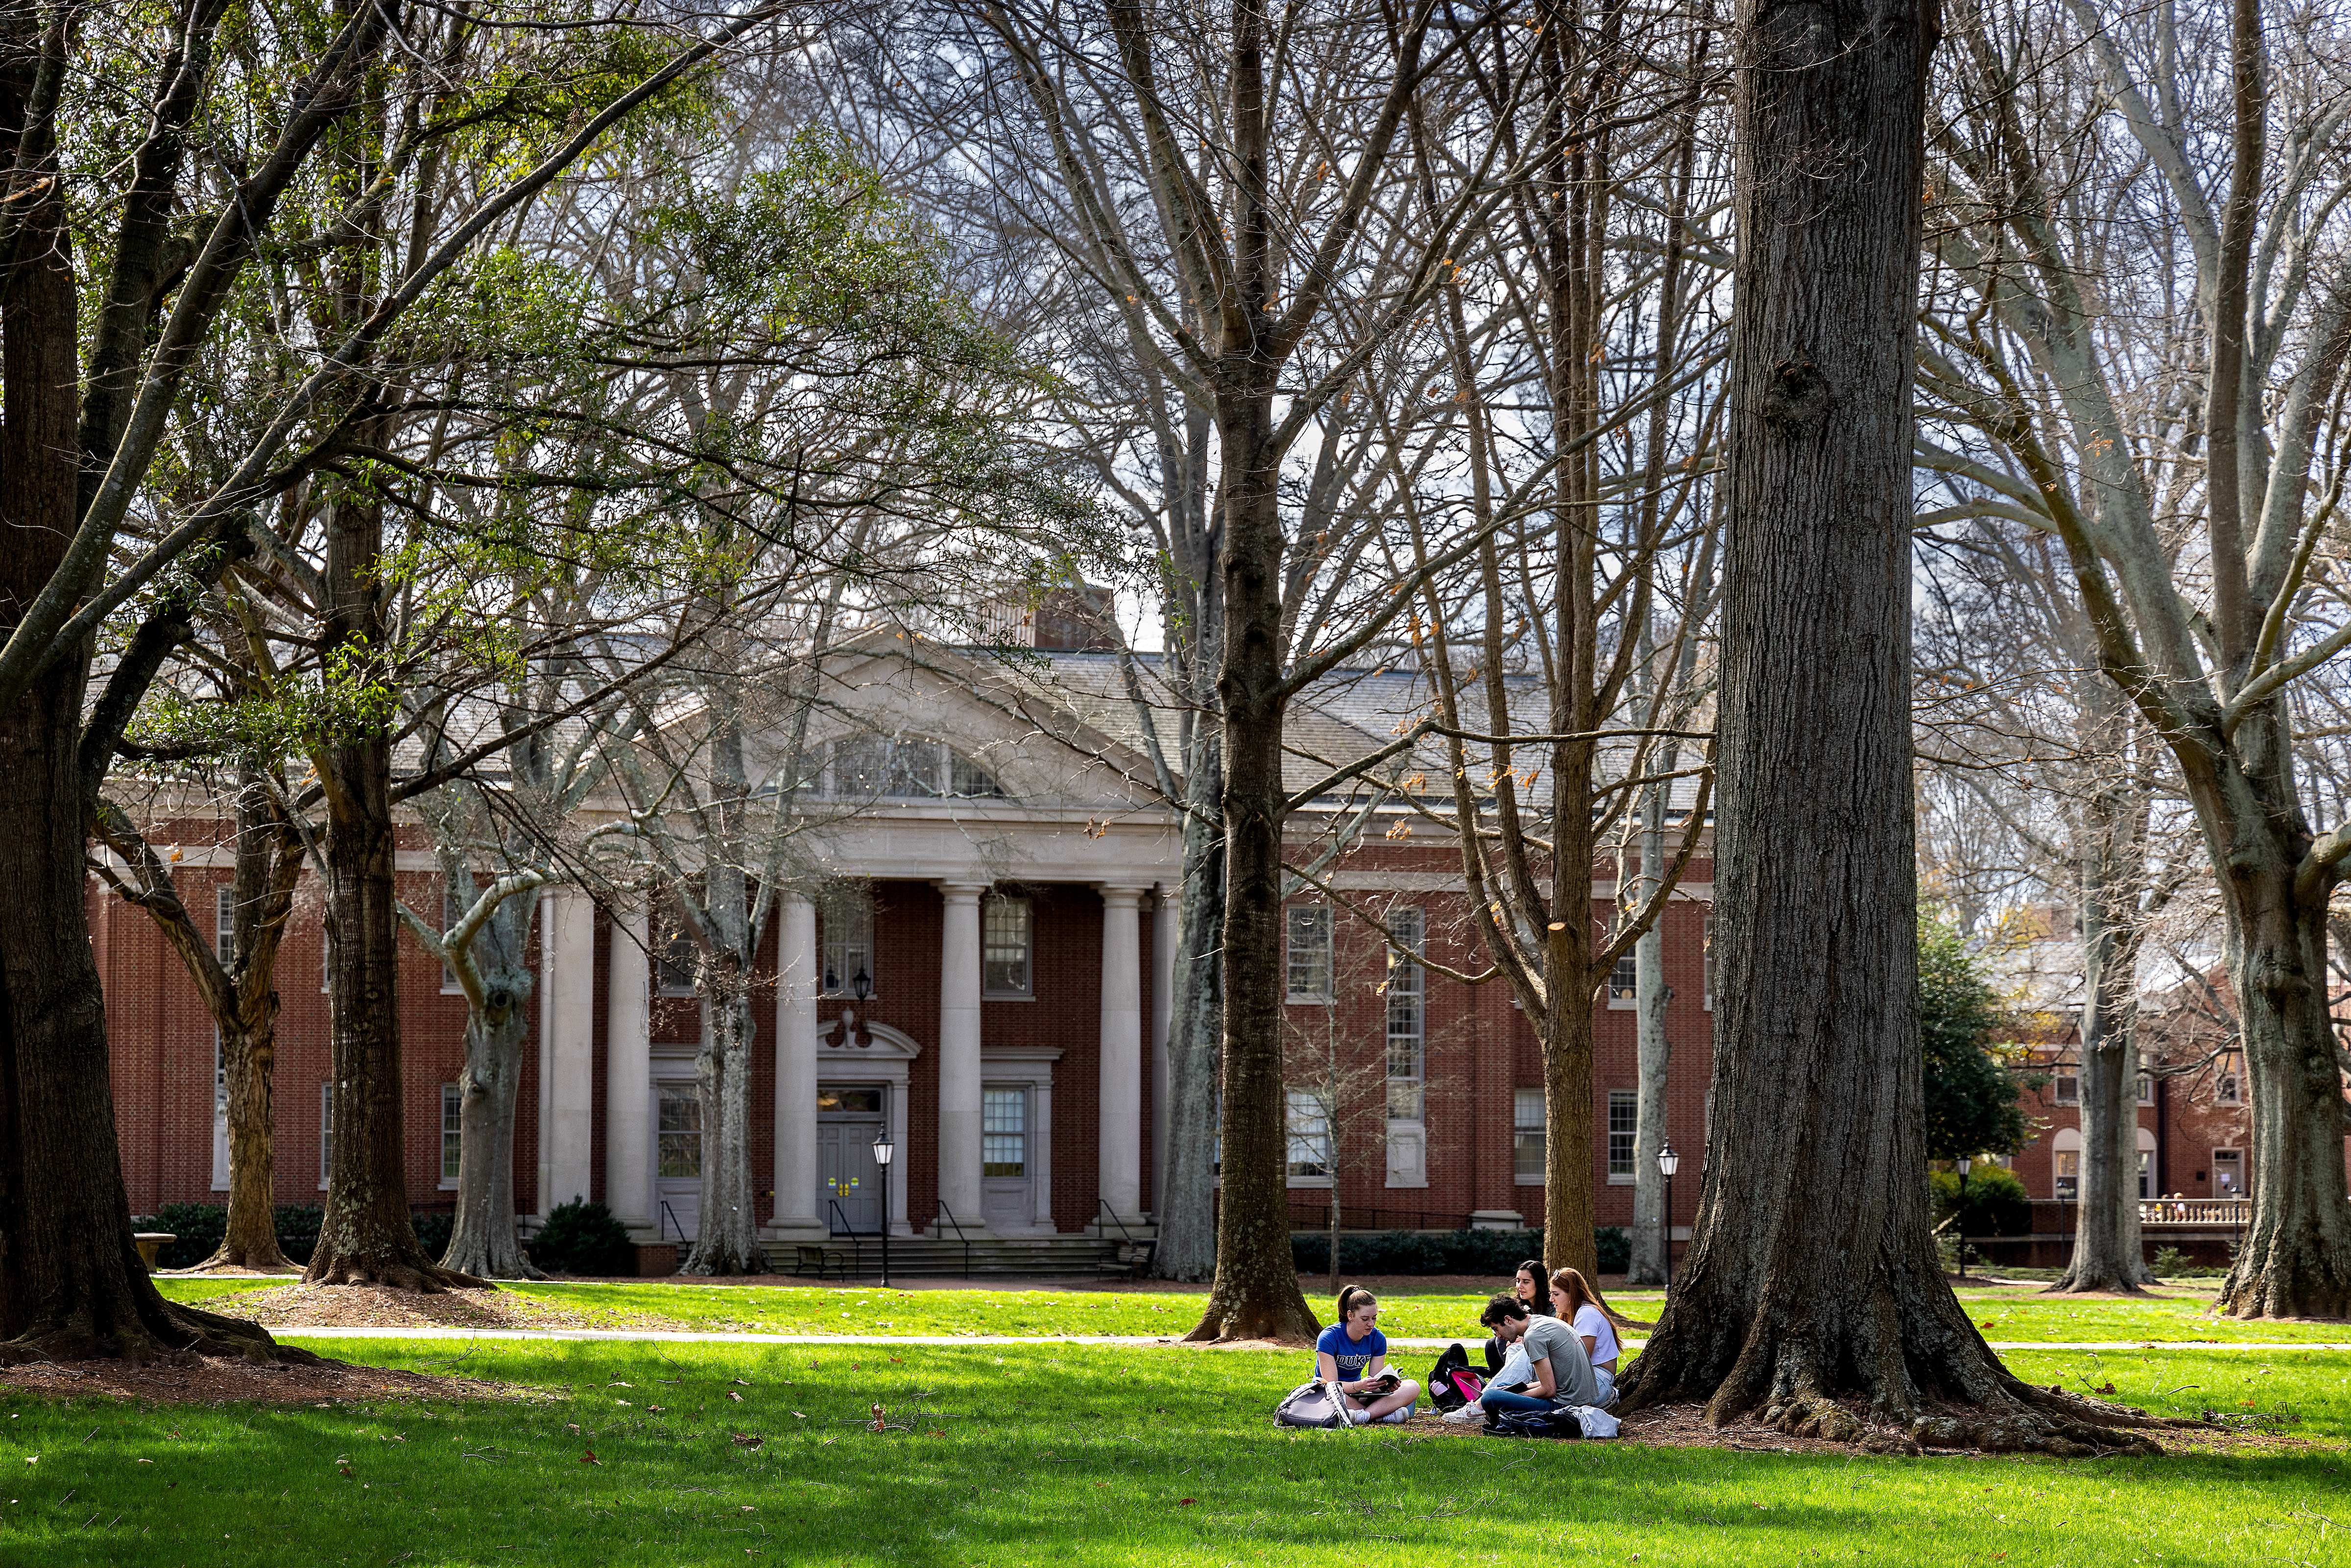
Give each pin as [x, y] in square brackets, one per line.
[1030, 1068]
[878, 1059]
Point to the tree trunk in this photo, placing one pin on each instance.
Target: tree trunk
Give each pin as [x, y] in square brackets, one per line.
[1187, 1244]
[268, 866]
[1565, 1034]
[2296, 1257]
[1812, 1278]
[483, 1242]
[727, 1239]
[1653, 1056]
[1255, 1294]
[366, 1237]
[71, 1282]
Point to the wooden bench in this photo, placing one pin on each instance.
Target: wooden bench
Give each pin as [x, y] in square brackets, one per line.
[1132, 1259]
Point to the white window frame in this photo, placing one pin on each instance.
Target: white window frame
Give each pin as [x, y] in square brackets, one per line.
[2066, 1088]
[1407, 1018]
[220, 1113]
[1306, 953]
[2065, 1186]
[2235, 1157]
[326, 1131]
[2147, 1088]
[1306, 1131]
[453, 1116]
[848, 918]
[1706, 959]
[1627, 1100]
[1527, 1131]
[1623, 976]
[225, 924]
[996, 947]
[994, 1132]
[2229, 1088]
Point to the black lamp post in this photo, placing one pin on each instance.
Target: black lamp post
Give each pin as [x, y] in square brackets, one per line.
[1963, 1162]
[1668, 1163]
[883, 1149]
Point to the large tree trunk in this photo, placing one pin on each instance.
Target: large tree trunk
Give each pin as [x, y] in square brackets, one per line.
[1255, 1294]
[71, 1283]
[483, 1242]
[366, 1237]
[1653, 1056]
[268, 865]
[1187, 1246]
[727, 1239]
[2105, 1257]
[2296, 1257]
[1812, 1278]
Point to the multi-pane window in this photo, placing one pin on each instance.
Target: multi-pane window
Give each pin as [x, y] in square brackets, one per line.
[325, 1132]
[1705, 942]
[678, 1131]
[2228, 1172]
[849, 943]
[1310, 952]
[1407, 1017]
[225, 924]
[2147, 1088]
[1310, 1134]
[2145, 1174]
[1004, 930]
[2069, 1175]
[1623, 978]
[907, 768]
[453, 1124]
[1527, 1135]
[220, 1112]
[2230, 1088]
[1004, 1131]
[1624, 1123]
[674, 959]
[2069, 1088]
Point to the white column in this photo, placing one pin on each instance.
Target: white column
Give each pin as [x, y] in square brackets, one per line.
[572, 1046]
[628, 1076]
[959, 1055]
[1119, 1092]
[1166, 922]
[795, 988]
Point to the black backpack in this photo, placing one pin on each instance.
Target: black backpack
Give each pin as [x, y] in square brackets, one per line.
[1532, 1424]
[1443, 1391]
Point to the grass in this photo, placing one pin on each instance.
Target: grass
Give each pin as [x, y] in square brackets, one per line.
[2012, 1316]
[1083, 1455]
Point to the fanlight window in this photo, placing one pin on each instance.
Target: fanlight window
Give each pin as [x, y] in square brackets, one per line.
[908, 768]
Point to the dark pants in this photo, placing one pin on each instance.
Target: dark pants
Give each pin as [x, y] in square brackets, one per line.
[1495, 1401]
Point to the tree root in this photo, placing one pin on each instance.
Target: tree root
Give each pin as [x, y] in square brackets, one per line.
[176, 1335]
[2039, 1421]
[272, 1262]
[427, 1279]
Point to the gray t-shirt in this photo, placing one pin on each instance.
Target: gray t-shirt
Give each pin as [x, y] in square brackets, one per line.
[1571, 1369]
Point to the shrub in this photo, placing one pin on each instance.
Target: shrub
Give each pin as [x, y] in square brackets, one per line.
[2169, 1261]
[583, 1238]
[1465, 1252]
[200, 1225]
[1997, 1204]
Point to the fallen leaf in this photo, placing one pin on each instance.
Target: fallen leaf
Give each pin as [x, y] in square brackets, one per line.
[589, 1458]
[656, 1409]
[742, 1383]
[146, 1461]
[802, 1414]
[896, 1359]
[1186, 1502]
[32, 1458]
[746, 1439]
[746, 1508]
[735, 1396]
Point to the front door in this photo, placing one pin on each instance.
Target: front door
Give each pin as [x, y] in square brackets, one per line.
[1007, 1160]
[848, 1193]
[677, 1160]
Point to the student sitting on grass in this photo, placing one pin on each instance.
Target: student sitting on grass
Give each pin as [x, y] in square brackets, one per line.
[1584, 1309]
[1351, 1356]
[1529, 1288]
[1563, 1373]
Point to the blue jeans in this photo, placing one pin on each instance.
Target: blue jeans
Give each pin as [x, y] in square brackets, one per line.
[1496, 1399]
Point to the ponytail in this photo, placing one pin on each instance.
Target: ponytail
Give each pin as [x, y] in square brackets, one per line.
[1353, 1296]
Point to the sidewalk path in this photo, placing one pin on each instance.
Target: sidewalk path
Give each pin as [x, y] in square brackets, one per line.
[682, 1336]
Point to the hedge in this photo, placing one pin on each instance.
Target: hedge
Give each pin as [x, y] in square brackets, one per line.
[199, 1227]
[1494, 1252]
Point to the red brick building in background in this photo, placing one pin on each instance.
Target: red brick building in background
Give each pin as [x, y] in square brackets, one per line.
[1024, 1081]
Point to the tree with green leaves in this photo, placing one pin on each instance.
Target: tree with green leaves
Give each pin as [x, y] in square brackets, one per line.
[1970, 1092]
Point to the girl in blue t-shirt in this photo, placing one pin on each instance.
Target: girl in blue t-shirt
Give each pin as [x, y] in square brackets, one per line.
[1352, 1356]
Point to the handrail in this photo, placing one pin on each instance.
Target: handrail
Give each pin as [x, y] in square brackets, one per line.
[839, 1225]
[1138, 1253]
[670, 1217]
[1103, 1205]
[939, 1209]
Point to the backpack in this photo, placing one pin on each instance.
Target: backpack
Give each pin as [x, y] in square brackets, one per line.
[1532, 1424]
[1452, 1383]
[1315, 1403]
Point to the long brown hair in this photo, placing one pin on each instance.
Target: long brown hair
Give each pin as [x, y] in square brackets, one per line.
[1353, 1296]
[1570, 1290]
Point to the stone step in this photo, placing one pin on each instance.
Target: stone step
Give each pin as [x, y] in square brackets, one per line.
[925, 1256]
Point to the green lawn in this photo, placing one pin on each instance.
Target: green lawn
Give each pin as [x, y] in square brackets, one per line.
[1070, 1455]
[866, 1309]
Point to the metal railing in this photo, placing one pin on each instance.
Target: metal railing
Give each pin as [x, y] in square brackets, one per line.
[838, 1225]
[2230, 1211]
[669, 1222]
[941, 1211]
[1137, 1254]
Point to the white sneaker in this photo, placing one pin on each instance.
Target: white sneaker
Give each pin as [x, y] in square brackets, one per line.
[1359, 1416]
[1467, 1414]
